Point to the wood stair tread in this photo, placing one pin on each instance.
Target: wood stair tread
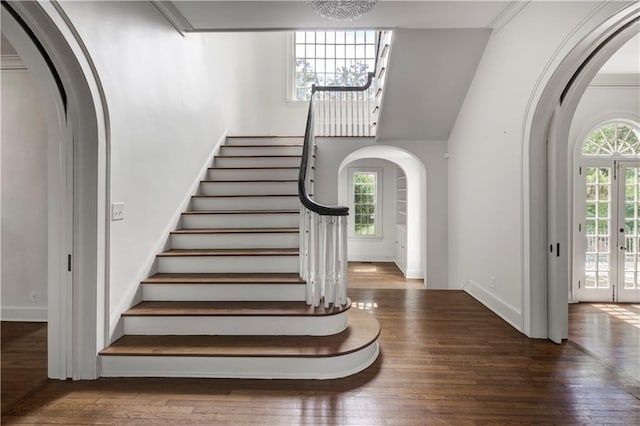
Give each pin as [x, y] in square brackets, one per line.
[228, 308]
[231, 252]
[265, 137]
[363, 330]
[224, 278]
[244, 196]
[256, 168]
[237, 231]
[280, 145]
[248, 181]
[261, 156]
[260, 212]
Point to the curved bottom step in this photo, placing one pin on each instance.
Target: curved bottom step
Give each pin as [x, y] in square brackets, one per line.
[257, 357]
[241, 367]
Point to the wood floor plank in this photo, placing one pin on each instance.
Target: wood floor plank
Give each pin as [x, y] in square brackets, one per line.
[446, 359]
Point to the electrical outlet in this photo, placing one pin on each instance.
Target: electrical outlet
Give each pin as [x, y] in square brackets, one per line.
[493, 282]
[117, 211]
[34, 297]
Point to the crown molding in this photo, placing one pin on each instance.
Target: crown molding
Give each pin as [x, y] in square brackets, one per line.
[173, 16]
[11, 62]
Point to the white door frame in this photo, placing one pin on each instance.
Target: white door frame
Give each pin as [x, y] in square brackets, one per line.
[579, 291]
[78, 172]
[546, 295]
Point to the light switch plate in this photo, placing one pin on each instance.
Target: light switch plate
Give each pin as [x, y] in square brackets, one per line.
[117, 211]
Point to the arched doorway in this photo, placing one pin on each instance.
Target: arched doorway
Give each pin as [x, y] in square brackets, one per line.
[77, 178]
[546, 187]
[414, 221]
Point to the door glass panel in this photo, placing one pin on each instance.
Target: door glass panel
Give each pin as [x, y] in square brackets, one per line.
[598, 227]
[631, 232]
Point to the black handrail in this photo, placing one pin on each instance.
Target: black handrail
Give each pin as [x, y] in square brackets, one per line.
[309, 136]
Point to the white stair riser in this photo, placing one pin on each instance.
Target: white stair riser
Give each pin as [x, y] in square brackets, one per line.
[236, 325]
[211, 221]
[253, 174]
[263, 141]
[260, 150]
[248, 188]
[228, 264]
[184, 292]
[257, 162]
[332, 367]
[247, 203]
[235, 240]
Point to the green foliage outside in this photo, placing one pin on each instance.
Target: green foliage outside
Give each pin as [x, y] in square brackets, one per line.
[364, 203]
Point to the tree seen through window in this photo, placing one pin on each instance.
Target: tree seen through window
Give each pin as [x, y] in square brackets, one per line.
[364, 194]
[332, 58]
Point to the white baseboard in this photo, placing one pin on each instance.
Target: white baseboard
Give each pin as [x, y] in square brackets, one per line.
[135, 292]
[367, 258]
[414, 274]
[26, 314]
[505, 311]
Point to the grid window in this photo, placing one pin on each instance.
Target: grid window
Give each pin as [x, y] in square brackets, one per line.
[364, 203]
[598, 224]
[332, 58]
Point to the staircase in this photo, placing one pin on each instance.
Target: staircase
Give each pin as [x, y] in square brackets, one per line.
[227, 299]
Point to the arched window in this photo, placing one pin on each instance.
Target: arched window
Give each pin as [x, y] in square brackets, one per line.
[615, 139]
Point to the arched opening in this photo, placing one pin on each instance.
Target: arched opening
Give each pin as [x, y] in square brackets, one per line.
[546, 186]
[77, 184]
[413, 259]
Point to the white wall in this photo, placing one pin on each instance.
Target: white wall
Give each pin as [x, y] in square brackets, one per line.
[603, 101]
[24, 199]
[486, 152]
[332, 151]
[253, 68]
[373, 249]
[165, 100]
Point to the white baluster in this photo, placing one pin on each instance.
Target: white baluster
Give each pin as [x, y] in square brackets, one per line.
[310, 261]
[329, 271]
[301, 243]
[342, 260]
[315, 246]
[352, 113]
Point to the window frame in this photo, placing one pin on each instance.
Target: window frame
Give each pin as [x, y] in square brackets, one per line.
[291, 61]
[378, 223]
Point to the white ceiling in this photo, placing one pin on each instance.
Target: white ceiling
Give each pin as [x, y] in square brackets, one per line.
[271, 15]
[447, 59]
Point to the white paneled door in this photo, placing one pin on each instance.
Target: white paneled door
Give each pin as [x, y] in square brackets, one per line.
[608, 231]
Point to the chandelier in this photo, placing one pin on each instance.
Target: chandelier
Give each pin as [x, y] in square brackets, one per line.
[342, 10]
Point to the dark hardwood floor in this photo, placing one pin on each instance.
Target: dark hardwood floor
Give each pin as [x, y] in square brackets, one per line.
[445, 359]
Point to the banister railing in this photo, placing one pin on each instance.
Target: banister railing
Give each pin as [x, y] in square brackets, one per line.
[344, 110]
[323, 228]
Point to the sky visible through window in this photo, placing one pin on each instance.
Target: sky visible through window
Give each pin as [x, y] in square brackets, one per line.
[332, 58]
